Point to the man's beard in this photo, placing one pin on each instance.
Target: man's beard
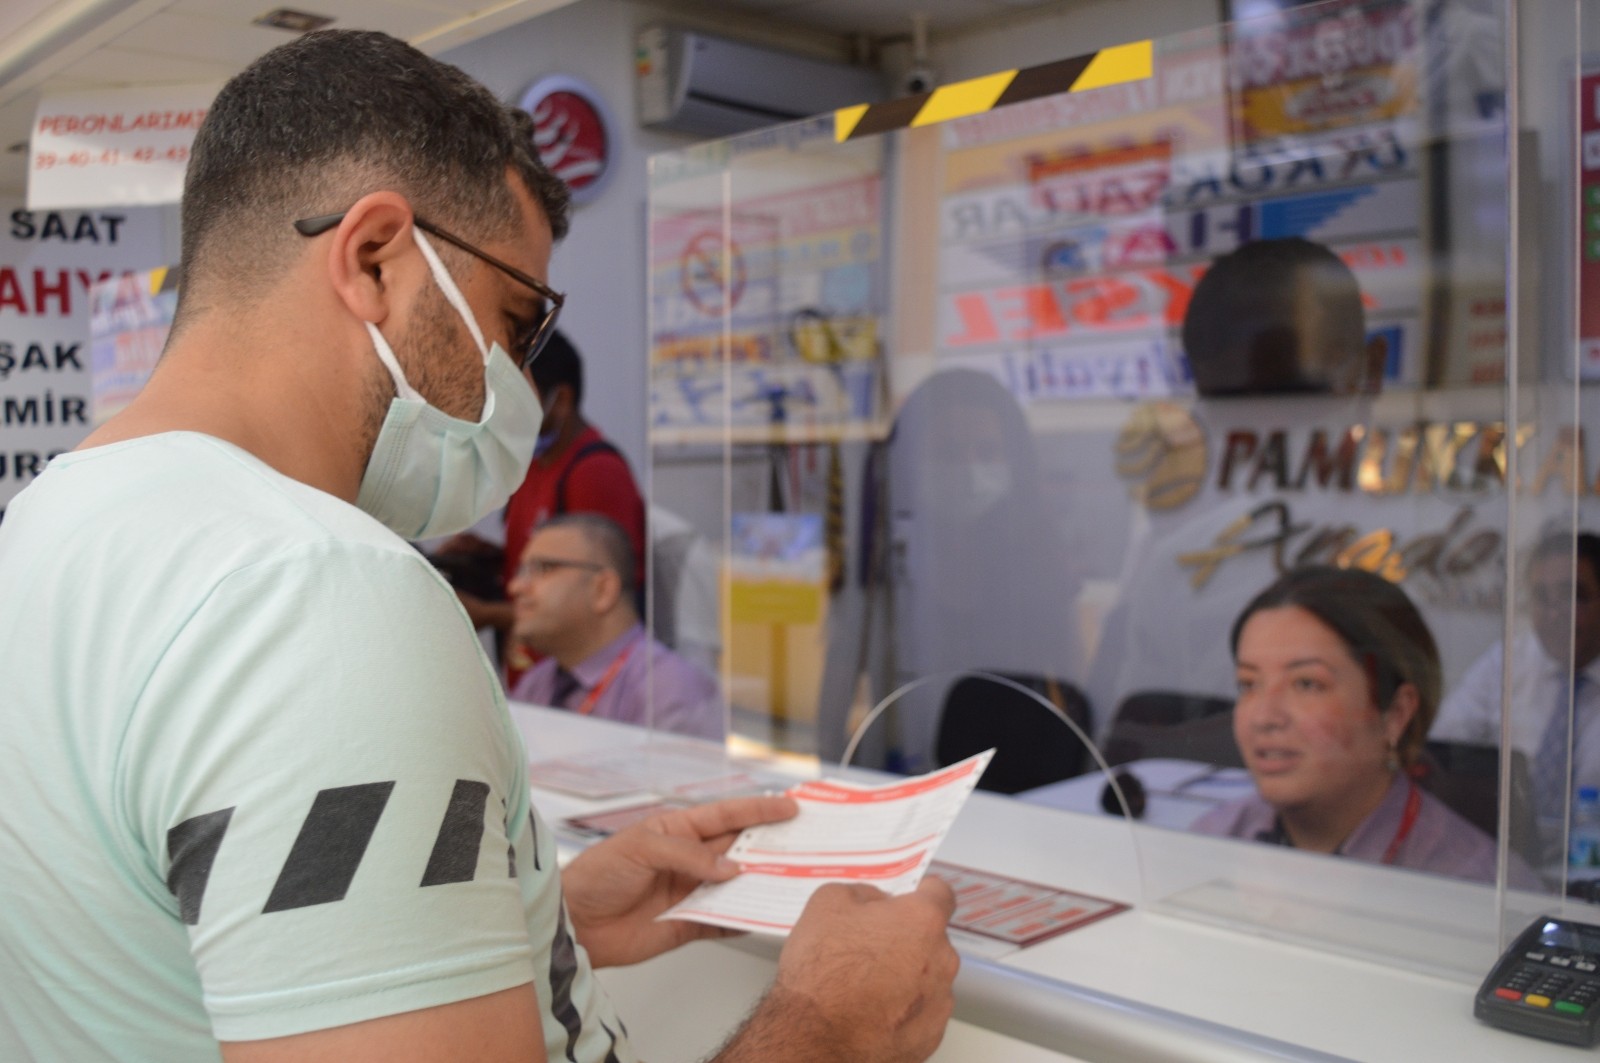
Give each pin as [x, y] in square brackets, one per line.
[432, 355]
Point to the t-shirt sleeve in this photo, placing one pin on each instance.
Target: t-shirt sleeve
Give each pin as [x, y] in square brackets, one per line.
[319, 781]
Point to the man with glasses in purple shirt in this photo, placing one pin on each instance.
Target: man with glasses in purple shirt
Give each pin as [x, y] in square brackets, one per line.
[573, 604]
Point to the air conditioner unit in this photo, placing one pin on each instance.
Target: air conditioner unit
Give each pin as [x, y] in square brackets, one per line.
[710, 86]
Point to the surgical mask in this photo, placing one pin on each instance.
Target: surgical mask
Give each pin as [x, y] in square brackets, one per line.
[432, 474]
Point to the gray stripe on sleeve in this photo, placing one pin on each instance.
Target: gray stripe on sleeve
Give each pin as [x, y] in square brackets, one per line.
[455, 849]
[328, 850]
[191, 850]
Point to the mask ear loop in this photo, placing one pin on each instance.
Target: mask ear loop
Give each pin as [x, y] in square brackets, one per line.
[402, 387]
[447, 285]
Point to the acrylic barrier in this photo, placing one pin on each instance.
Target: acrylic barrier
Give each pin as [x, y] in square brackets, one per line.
[1225, 395]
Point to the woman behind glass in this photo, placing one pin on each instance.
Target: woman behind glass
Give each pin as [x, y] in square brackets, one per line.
[1339, 681]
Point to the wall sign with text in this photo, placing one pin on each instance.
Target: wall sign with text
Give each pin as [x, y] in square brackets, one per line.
[50, 261]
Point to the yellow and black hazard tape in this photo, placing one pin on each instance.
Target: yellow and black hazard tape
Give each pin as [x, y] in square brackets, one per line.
[1108, 66]
[163, 279]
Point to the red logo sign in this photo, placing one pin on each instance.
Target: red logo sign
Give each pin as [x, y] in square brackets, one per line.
[573, 133]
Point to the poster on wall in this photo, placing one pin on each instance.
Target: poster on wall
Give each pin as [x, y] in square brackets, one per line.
[130, 315]
[1300, 73]
[50, 262]
[766, 310]
[1072, 233]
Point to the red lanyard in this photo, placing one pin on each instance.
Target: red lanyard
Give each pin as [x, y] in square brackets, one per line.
[589, 699]
[1408, 819]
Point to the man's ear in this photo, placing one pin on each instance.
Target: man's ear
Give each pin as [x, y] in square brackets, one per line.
[607, 589]
[368, 260]
[561, 405]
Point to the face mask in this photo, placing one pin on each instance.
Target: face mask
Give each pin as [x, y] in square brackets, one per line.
[432, 474]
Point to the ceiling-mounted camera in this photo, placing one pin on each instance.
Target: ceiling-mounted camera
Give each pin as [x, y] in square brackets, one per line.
[920, 76]
[919, 79]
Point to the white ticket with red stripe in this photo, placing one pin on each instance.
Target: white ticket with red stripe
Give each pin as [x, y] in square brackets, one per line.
[883, 836]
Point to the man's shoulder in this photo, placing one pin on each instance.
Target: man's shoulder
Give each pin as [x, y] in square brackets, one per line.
[593, 452]
[171, 519]
[664, 656]
[209, 492]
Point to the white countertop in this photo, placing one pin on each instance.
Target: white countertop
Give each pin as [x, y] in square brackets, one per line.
[1273, 943]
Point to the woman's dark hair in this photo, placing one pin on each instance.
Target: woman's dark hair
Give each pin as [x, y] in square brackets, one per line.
[1380, 627]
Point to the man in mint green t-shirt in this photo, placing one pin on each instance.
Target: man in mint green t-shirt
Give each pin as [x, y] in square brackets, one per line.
[263, 800]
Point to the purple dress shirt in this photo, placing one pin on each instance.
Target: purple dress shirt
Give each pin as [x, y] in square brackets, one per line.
[1439, 840]
[652, 687]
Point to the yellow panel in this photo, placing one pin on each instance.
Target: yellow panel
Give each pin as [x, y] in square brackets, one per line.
[1125, 62]
[156, 277]
[775, 602]
[845, 120]
[973, 96]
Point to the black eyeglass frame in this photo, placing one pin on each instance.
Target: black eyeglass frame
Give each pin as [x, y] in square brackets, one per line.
[554, 299]
[544, 566]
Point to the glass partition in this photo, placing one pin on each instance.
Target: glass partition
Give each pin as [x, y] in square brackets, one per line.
[1233, 406]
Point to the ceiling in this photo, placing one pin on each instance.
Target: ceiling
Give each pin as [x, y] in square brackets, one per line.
[50, 46]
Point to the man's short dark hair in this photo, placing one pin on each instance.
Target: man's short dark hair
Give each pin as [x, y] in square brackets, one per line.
[1274, 317]
[559, 363]
[608, 540]
[315, 124]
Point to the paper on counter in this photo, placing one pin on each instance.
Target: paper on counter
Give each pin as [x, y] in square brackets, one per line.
[1014, 913]
[682, 769]
[883, 836]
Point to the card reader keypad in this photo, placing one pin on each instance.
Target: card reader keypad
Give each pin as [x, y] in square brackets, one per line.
[1561, 980]
[1547, 984]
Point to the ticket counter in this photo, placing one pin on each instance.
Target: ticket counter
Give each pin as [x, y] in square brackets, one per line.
[1152, 983]
[1044, 377]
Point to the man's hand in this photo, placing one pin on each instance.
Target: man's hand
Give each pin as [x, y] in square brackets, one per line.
[862, 976]
[615, 889]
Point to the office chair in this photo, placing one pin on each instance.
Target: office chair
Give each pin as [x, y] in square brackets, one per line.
[1466, 777]
[1032, 747]
[1170, 723]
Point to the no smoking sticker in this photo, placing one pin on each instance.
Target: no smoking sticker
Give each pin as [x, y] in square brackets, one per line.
[713, 290]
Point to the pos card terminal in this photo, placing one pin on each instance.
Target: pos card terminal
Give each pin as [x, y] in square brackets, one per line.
[1547, 983]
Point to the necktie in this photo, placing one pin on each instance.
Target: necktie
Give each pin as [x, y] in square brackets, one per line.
[1552, 780]
[565, 686]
